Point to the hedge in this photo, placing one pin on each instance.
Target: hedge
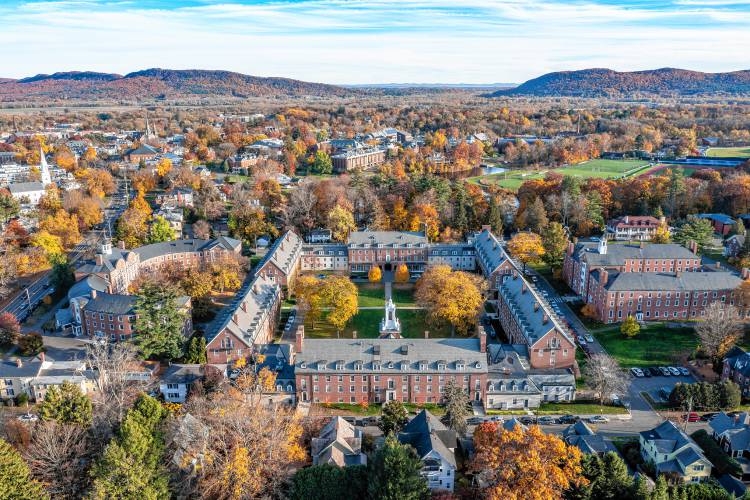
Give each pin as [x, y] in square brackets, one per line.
[723, 463]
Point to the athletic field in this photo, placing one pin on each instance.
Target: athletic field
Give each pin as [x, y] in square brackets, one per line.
[743, 152]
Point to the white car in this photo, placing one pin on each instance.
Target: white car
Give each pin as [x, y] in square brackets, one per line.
[637, 372]
[674, 371]
[684, 371]
[598, 419]
[28, 417]
[590, 339]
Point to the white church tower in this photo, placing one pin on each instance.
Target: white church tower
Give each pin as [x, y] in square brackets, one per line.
[44, 168]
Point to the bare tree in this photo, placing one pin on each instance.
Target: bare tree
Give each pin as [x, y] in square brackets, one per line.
[300, 208]
[719, 329]
[604, 376]
[59, 456]
[202, 230]
[117, 386]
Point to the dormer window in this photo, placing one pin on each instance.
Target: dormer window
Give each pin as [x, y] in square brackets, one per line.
[303, 365]
[376, 365]
[441, 367]
[460, 365]
[358, 366]
[339, 365]
[478, 364]
[390, 364]
[404, 365]
[422, 365]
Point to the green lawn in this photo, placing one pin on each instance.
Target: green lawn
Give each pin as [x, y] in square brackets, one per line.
[579, 408]
[605, 169]
[655, 345]
[373, 295]
[375, 408]
[367, 325]
[743, 151]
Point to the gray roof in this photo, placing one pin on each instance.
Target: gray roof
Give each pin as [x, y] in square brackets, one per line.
[111, 303]
[512, 423]
[84, 286]
[508, 358]
[689, 281]
[29, 367]
[668, 438]
[553, 377]
[489, 251]
[322, 355]
[284, 251]
[190, 245]
[521, 298]
[339, 443]
[25, 187]
[427, 434]
[143, 149]
[278, 360]
[739, 361]
[386, 238]
[182, 374]
[617, 254]
[723, 422]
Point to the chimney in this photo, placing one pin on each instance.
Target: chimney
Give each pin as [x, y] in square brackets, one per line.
[121, 245]
[243, 306]
[482, 340]
[745, 273]
[627, 219]
[603, 276]
[99, 259]
[692, 246]
[515, 274]
[19, 363]
[299, 339]
[643, 245]
[41, 356]
[354, 334]
[571, 247]
[427, 334]
[523, 287]
[234, 318]
[545, 318]
[487, 228]
[93, 294]
[536, 306]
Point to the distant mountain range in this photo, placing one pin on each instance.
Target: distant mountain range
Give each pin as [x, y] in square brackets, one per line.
[664, 82]
[157, 83]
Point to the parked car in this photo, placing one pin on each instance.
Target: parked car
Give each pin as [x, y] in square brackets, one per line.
[581, 340]
[598, 419]
[527, 420]
[547, 420]
[655, 371]
[674, 371]
[665, 371]
[474, 420]
[569, 419]
[637, 372]
[707, 417]
[28, 417]
[589, 338]
[647, 373]
[684, 371]
[693, 417]
[497, 418]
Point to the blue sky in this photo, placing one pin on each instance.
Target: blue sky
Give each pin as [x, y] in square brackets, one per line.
[373, 41]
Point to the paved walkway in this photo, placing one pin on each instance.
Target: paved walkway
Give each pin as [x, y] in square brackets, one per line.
[388, 288]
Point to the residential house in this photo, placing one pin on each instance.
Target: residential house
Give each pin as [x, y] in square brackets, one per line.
[319, 236]
[584, 438]
[732, 432]
[279, 359]
[176, 381]
[35, 376]
[674, 452]
[737, 369]
[177, 197]
[435, 445]
[633, 227]
[339, 443]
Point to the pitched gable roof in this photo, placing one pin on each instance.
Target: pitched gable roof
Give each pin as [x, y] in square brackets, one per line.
[427, 434]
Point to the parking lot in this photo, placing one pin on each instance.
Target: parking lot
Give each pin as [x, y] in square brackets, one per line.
[658, 387]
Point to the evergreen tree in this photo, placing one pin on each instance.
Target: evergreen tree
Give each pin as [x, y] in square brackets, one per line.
[695, 229]
[394, 473]
[660, 491]
[15, 478]
[555, 243]
[460, 217]
[456, 407]
[495, 216]
[159, 323]
[66, 404]
[536, 216]
[394, 417]
[328, 482]
[196, 352]
[594, 210]
[160, 230]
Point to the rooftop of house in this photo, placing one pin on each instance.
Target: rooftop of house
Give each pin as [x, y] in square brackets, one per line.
[111, 303]
[393, 355]
[686, 281]
[722, 218]
[339, 443]
[386, 238]
[182, 374]
[283, 251]
[187, 245]
[668, 438]
[617, 254]
[739, 361]
[25, 187]
[144, 150]
[426, 434]
[634, 221]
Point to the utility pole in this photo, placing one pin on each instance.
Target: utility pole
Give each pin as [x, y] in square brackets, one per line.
[689, 411]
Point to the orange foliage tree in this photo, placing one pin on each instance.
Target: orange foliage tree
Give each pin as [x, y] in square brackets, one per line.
[526, 247]
[524, 464]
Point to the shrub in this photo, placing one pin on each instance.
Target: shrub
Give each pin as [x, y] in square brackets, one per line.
[723, 463]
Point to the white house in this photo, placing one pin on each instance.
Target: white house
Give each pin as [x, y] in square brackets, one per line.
[435, 445]
[673, 451]
[176, 381]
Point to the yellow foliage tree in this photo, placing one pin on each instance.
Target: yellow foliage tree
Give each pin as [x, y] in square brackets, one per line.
[163, 167]
[452, 297]
[525, 464]
[374, 274]
[526, 247]
[139, 203]
[402, 274]
[341, 223]
[340, 295]
[662, 234]
[307, 292]
[50, 244]
[63, 225]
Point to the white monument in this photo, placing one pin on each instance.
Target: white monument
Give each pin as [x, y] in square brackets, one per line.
[390, 326]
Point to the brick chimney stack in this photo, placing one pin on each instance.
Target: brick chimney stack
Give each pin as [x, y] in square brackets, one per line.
[99, 259]
[93, 294]
[121, 245]
[299, 339]
[19, 363]
[482, 340]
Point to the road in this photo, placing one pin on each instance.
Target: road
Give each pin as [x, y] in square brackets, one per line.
[24, 302]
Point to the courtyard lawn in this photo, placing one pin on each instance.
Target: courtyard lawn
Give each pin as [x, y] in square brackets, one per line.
[373, 294]
[605, 169]
[367, 325]
[655, 345]
[742, 152]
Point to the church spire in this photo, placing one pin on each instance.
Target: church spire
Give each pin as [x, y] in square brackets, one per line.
[44, 168]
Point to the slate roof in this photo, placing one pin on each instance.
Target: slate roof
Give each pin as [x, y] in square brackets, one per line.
[182, 374]
[732, 485]
[339, 443]
[739, 361]
[25, 187]
[722, 218]
[386, 238]
[321, 355]
[667, 439]
[188, 245]
[29, 368]
[617, 254]
[489, 251]
[512, 423]
[143, 149]
[283, 253]
[111, 303]
[84, 286]
[689, 281]
[278, 360]
[427, 434]
[581, 435]
[634, 221]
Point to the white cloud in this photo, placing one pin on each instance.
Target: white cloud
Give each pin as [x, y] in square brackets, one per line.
[364, 41]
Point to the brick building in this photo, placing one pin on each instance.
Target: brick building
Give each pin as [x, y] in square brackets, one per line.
[387, 249]
[528, 320]
[381, 370]
[653, 296]
[363, 158]
[583, 258]
[283, 261]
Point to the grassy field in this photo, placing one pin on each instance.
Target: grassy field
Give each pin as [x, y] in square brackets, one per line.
[606, 169]
[373, 295]
[579, 408]
[655, 345]
[367, 325]
[727, 152]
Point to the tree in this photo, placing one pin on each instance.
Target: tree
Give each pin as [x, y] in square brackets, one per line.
[202, 230]
[402, 274]
[525, 463]
[163, 167]
[603, 376]
[394, 473]
[341, 223]
[196, 351]
[394, 417]
[197, 284]
[66, 404]
[9, 206]
[719, 330]
[526, 247]
[132, 227]
[374, 274]
[10, 329]
[662, 234]
[536, 216]
[50, 245]
[159, 322]
[452, 297]
[30, 344]
[15, 478]
[99, 182]
[131, 465]
[309, 300]
[160, 230]
[249, 222]
[495, 216]
[456, 407]
[608, 478]
[322, 163]
[328, 482]
[555, 244]
[698, 230]
[339, 295]
[630, 327]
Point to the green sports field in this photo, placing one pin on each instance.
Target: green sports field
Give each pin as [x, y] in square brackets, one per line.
[742, 152]
[604, 169]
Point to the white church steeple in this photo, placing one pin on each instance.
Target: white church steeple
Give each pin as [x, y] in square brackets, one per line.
[44, 168]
